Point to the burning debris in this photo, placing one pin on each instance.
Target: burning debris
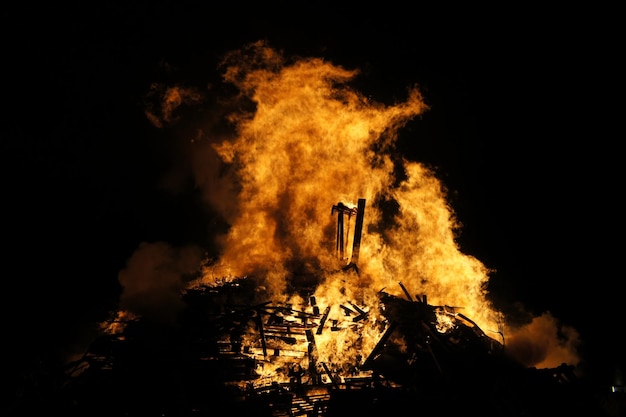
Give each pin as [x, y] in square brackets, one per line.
[281, 359]
[269, 359]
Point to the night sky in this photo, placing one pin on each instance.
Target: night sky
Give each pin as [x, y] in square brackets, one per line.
[522, 130]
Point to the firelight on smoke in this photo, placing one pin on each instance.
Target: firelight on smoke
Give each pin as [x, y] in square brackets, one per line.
[305, 143]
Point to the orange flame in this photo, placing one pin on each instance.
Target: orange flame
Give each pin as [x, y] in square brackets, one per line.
[313, 141]
[307, 142]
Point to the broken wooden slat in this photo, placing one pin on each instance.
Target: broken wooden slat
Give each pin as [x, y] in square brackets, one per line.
[346, 310]
[323, 320]
[362, 313]
[405, 291]
[330, 376]
[358, 230]
[379, 345]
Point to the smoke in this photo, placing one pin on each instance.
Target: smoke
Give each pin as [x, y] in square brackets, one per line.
[153, 278]
[544, 343]
[170, 100]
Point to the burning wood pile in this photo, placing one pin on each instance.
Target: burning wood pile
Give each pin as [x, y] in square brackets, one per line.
[264, 359]
[355, 357]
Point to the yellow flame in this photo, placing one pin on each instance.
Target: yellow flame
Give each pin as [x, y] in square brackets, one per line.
[307, 142]
[311, 142]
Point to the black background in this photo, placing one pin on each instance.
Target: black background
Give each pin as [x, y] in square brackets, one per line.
[523, 131]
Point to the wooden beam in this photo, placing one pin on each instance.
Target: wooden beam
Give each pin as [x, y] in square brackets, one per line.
[323, 320]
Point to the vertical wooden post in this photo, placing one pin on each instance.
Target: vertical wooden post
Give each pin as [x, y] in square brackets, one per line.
[356, 244]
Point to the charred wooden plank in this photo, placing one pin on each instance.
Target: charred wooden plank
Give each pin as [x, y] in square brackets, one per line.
[406, 292]
[357, 308]
[359, 317]
[358, 231]
[330, 375]
[379, 346]
[342, 210]
[362, 313]
[346, 310]
[323, 320]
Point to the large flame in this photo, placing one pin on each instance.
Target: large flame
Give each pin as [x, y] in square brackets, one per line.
[312, 142]
[305, 142]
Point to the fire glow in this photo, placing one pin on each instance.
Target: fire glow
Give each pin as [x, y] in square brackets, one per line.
[303, 158]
